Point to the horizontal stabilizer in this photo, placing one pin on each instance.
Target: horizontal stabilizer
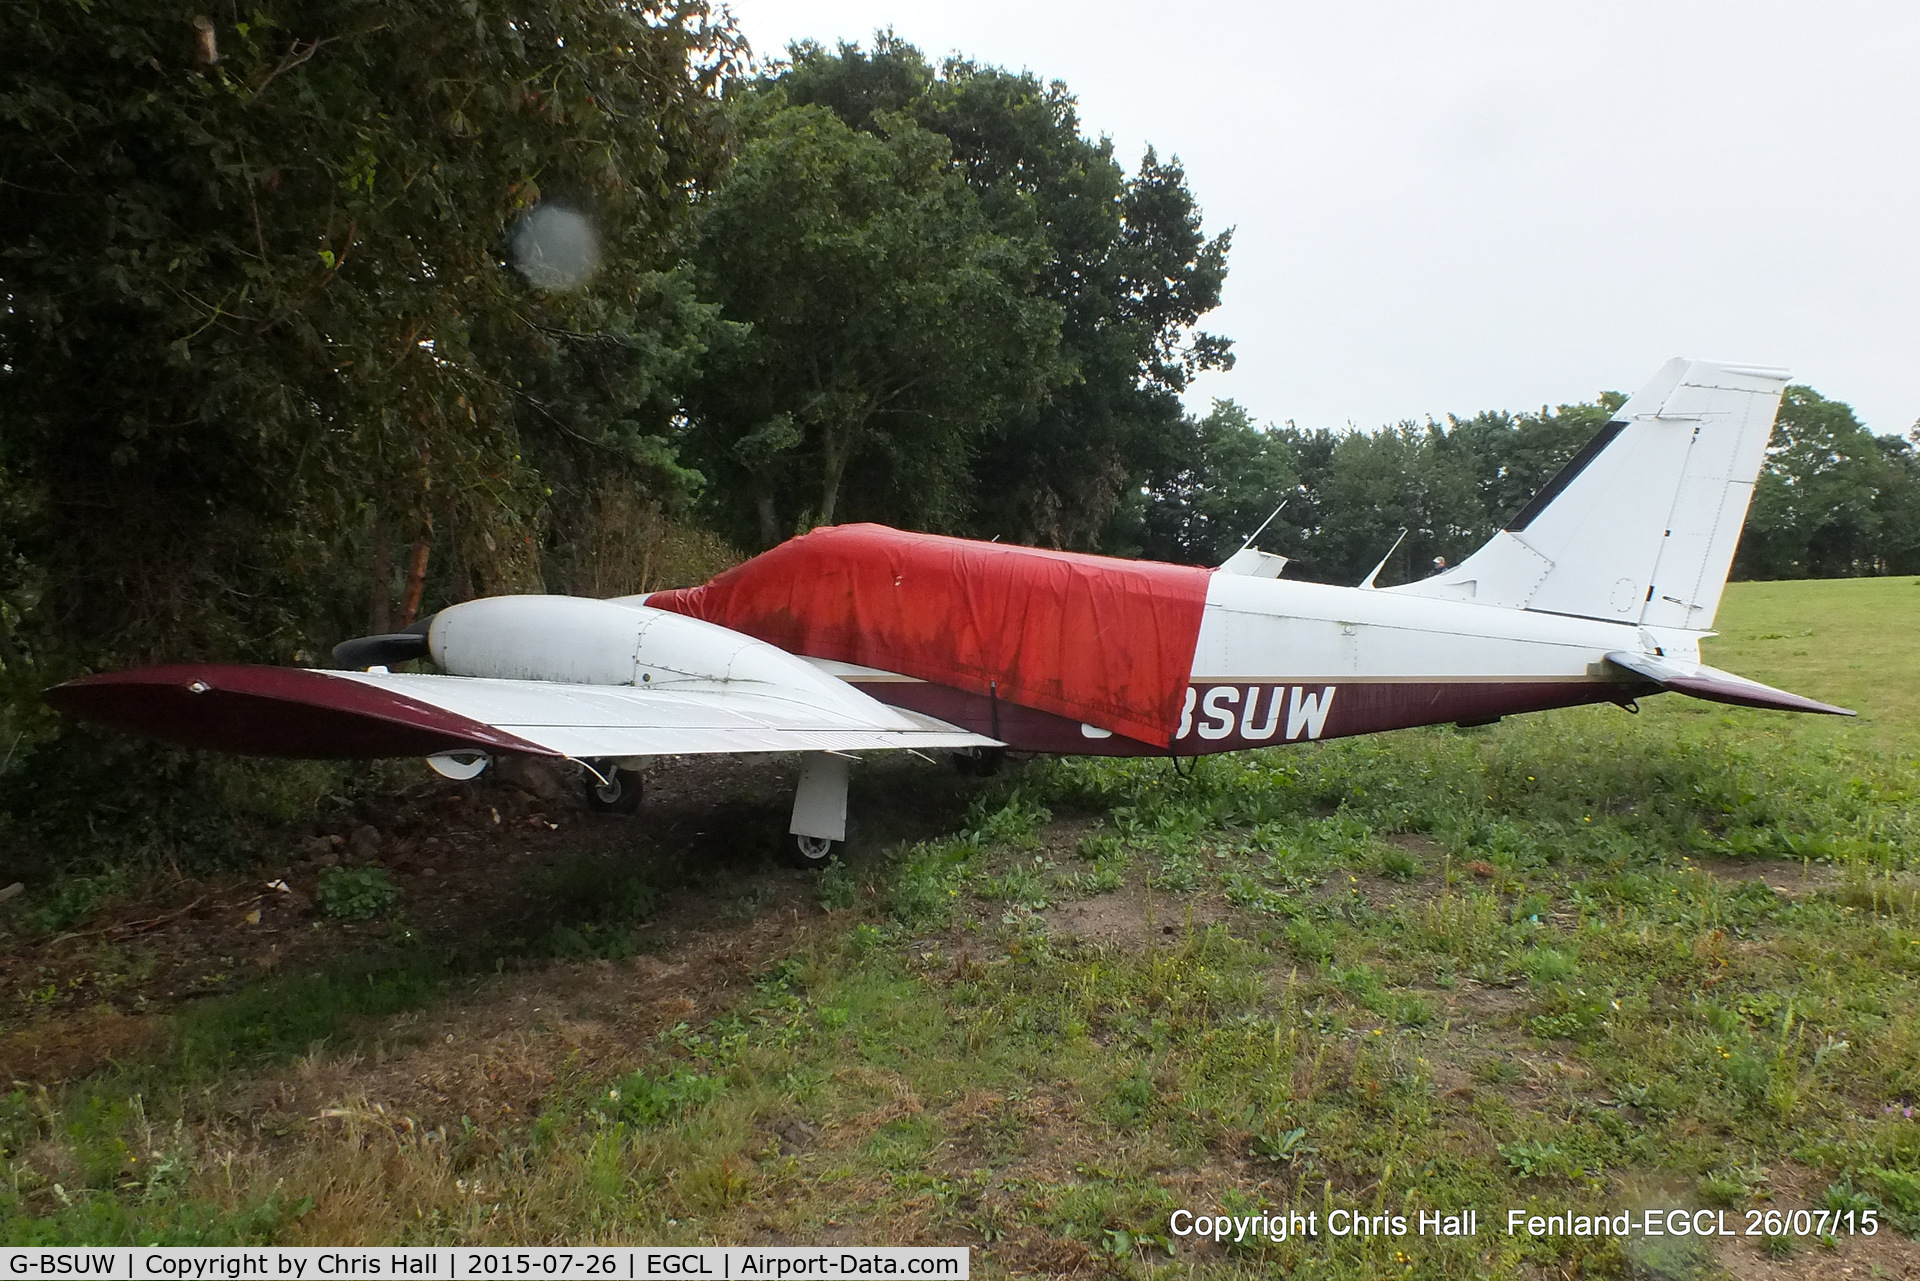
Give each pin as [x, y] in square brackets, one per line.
[1717, 686]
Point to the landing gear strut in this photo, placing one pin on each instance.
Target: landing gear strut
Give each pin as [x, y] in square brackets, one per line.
[612, 789]
[819, 825]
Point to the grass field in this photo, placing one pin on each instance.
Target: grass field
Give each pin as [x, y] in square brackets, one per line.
[1857, 639]
[1576, 963]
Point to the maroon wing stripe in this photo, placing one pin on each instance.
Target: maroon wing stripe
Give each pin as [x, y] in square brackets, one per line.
[275, 711]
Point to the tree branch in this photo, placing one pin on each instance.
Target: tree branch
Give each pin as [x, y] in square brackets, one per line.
[296, 54]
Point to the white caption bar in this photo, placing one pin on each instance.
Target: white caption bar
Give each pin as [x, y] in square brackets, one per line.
[449, 1263]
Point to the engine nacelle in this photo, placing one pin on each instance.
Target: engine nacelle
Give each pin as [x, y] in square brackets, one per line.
[579, 641]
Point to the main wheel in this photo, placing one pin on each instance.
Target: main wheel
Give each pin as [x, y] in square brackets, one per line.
[813, 851]
[615, 790]
[980, 762]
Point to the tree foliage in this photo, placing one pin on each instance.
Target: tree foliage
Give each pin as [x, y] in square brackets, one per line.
[259, 321]
[264, 364]
[1233, 478]
[1349, 494]
[1120, 260]
[882, 325]
[1832, 500]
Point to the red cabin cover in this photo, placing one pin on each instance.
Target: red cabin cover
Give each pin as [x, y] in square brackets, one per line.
[1104, 641]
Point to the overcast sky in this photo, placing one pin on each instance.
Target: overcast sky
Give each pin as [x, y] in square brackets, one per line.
[1451, 207]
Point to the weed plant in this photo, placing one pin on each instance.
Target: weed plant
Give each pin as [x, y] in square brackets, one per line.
[356, 893]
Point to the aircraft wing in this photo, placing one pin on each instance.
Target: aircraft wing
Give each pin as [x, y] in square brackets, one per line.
[304, 712]
[1717, 686]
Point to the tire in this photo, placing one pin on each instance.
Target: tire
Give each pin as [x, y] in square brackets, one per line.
[979, 762]
[813, 851]
[620, 794]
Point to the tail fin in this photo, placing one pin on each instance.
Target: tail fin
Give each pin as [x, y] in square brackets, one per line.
[1640, 526]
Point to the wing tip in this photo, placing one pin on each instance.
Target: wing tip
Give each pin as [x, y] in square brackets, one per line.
[296, 712]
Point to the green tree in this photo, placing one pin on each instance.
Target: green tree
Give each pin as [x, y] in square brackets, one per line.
[1512, 455]
[1378, 483]
[1817, 510]
[882, 325]
[259, 322]
[1236, 476]
[1448, 485]
[1123, 258]
[1896, 544]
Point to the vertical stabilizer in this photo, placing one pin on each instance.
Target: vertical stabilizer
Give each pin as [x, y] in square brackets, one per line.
[1640, 526]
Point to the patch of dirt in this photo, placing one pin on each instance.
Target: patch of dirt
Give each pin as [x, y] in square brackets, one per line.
[1134, 919]
[1035, 1135]
[1450, 1079]
[1788, 880]
[1485, 1003]
[1425, 848]
[495, 1055]
[1044, 1256]
[1885, 1255]
[60, 1047]
[1383, 893]
[1061, 837]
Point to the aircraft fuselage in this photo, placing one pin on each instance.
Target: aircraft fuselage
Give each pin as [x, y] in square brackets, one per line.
[1283, 662]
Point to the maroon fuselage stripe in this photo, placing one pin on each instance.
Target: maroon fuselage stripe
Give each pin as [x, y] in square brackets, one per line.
[1359, 707]
[275, 711]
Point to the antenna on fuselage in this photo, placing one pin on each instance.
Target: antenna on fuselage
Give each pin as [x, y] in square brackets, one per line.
[1367, 584]
[1250, 561]
[1263, 524]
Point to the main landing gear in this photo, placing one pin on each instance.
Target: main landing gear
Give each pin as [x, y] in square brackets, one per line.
[980, 762]
[819, 826]
[611, 788]
[614, 786]
[813, 851]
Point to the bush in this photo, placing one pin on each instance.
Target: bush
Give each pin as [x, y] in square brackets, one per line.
[74, 799]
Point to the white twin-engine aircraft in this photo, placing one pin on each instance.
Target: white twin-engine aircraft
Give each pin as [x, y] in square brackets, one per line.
[860, 638]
